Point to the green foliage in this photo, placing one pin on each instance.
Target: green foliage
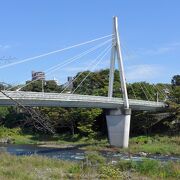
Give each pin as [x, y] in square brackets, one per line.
[6, 132]
[94, 159]
[147, 167]
[142, 139]
[176, 80]
[87, 119]
[14, 118]
[96, 83]
[78, 120]
[155, 144]
[173, 121]
[74, 169]
[3, 112]
[171, 169]
[32, 167]
[125, 165]
[15, 135]
[154, 168]
[38, 86]
[110, 172]
[175, 94]
[37, 167]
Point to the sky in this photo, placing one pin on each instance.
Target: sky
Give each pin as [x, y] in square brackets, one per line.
[149, 33]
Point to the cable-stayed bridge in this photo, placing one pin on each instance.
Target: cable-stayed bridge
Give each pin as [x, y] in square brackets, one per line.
[118, 109]
[37, 99]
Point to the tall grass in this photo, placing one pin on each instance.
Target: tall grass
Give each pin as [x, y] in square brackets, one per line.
[37, 167]
[156, 144]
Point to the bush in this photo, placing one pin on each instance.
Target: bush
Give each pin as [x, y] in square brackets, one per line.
[6, 132]
[125, 165]
[94, 159]
[141, 140]
[110, 172]
[74, 169]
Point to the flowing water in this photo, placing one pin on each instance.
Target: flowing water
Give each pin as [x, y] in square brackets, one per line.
[75, 154]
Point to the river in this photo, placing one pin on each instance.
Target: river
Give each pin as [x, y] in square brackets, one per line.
[75, 154]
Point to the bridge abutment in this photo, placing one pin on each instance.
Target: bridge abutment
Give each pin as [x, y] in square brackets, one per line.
[118, 124]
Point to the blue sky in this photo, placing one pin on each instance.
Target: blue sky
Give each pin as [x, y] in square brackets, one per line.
[149, 30]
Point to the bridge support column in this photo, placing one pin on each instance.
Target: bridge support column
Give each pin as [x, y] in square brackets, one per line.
[118, 124]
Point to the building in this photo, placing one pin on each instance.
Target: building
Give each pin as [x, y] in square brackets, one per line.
[38, 75]
[69, 84]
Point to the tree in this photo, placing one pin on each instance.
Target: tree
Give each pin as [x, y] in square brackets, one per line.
[87, 119]
[38, 86]
[176, 80]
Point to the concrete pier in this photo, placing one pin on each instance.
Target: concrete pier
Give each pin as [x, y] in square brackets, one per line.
[118, 124]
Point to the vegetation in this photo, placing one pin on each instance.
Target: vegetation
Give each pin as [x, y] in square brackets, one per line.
[93, 167]
[152, 168]
[169, 145]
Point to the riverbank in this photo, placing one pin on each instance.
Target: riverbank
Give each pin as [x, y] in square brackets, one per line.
[158, 144]
[93, 167]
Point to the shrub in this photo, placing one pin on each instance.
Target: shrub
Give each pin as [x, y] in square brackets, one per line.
[6, 132]
[74, 169]
[94, 159]
[125, 165]
[110, 172]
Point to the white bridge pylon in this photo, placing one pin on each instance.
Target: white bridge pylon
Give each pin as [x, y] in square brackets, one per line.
[118, 120]
[116, 50]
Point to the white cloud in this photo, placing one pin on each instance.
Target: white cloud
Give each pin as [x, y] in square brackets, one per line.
[143, 72]
[4, 47]
[164, 49]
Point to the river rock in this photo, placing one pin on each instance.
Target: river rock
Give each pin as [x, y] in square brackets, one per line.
[6, 140]
[113, 162]
[143, 154]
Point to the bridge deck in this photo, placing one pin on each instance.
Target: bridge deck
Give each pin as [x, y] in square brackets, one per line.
[74, 100]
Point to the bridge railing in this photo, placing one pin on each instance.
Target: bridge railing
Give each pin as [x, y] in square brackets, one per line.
[75, 97]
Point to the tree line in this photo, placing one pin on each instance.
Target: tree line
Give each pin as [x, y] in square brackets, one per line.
[91, 121]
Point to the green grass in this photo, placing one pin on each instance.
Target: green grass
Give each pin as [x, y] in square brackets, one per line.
[37, 167]
[169, 145]
[151, 168]
[93, 167]
[14, 167]
[16, 136]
